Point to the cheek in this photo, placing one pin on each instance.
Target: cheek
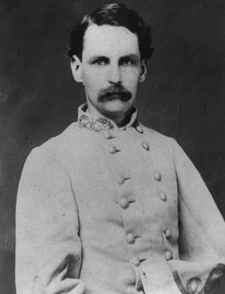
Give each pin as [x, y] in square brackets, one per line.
[93, 80]
[130, 78]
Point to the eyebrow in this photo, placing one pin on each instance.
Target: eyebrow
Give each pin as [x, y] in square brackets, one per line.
[129, 56]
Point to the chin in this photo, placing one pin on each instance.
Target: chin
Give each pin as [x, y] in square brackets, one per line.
[116, 106]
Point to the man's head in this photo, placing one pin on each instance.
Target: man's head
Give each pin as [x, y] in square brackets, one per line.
[113, 15]
[108, 51]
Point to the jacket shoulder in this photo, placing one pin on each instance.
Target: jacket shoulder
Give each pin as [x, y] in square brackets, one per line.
[160, 141]
[58, 148]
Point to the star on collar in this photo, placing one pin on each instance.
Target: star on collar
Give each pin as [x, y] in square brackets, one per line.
[98, 124]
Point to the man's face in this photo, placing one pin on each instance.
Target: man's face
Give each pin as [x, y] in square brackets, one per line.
[110, 69]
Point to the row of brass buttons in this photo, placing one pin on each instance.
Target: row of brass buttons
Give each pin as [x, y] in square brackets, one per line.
[136, 261]
[124, 203]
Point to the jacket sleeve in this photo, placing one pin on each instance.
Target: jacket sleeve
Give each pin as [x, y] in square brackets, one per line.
[48, 248]
[201, 229]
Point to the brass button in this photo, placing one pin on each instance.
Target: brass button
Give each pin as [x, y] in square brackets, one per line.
[157, 176]
[194, 285]
[136, 261]
[106, 135]
[120, 179]
[139, 129]
[168, 233]
[163, 196]
[124, 203]
[145, 145]
[168, 255]
[130, 238]
[112, 149]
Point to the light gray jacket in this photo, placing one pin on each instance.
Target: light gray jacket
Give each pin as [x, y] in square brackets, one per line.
[108, 210]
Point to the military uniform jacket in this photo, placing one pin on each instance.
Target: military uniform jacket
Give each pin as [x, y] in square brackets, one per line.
[103, 209]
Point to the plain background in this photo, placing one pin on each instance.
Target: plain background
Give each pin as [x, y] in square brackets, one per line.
[183, 95]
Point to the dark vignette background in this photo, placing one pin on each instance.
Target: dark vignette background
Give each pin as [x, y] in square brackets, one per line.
[183, 96]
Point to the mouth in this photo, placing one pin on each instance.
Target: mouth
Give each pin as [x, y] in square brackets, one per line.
[118, 95]
[115, 92]
[112, 96]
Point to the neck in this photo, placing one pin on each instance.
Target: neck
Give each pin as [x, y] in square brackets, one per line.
[120, 120]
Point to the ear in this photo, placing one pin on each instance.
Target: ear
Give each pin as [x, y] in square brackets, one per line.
[76, 69]
[143, 71]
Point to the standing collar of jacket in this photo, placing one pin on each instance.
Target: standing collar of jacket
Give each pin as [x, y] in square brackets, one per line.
[97, 124]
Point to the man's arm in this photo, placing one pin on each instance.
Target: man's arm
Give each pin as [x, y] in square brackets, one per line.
[201, 228]
[48, 248]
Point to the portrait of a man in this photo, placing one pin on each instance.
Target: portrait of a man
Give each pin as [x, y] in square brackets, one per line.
[110, 205]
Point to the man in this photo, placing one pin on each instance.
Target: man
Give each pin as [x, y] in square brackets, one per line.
[110, 206]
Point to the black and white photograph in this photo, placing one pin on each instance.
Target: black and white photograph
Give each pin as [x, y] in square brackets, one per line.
[112, 154]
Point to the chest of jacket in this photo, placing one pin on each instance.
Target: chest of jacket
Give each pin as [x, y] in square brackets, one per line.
[125, 186]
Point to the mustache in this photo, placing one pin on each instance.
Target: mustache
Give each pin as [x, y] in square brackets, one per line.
[109, 93]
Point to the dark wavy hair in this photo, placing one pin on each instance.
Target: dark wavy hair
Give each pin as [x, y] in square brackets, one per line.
[114, 15]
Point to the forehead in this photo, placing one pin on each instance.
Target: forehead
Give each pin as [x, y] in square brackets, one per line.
[107, 40]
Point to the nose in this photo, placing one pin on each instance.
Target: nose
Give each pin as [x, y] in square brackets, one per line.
[114, 75]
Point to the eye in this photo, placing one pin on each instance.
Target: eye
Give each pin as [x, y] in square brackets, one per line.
[127, 61]
[100, 61]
